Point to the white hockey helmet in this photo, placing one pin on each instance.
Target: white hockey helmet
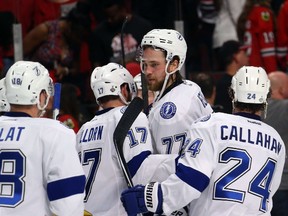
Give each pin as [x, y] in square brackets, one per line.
[169, 40]
[107, 80]
[250, 85]
[137, 80]
[4, 105]
[24, 82]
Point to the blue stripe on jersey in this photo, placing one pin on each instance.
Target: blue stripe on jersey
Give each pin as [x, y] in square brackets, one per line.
[192, 177]
[135, 162]
[65, 187]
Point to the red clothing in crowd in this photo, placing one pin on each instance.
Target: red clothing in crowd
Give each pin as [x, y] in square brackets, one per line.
[282, 36]
[69, 121]
[33, 12]
[259, 35]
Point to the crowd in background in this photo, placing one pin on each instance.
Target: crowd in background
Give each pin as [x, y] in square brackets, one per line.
[71, 37]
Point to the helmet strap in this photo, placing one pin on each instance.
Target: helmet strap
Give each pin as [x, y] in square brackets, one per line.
[265, 110]
[168, 74]
[42, 109]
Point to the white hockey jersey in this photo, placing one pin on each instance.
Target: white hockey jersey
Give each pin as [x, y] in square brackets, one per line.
[105, 180]
[232, 164]
[173, 114]
[40, 172]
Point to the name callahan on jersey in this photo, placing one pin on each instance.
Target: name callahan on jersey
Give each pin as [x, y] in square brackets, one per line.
[231, 132]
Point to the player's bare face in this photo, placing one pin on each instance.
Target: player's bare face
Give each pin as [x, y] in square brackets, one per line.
[153, 63]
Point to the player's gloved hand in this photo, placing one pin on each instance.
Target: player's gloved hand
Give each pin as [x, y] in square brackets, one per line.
[133, 200]
[140, 199]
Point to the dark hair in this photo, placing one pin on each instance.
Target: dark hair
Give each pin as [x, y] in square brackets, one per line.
[227, 51]
[253, 108]
[107, 98]
[108, 3]
[206, 83]
[78, 18]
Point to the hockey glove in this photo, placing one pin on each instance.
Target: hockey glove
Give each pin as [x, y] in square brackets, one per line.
[140, 199]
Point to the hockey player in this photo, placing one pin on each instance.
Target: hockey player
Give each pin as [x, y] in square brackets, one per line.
[179, 101]
[232, 164]
[151, 94]
[114, 88]
[39, 166]
[4, 105]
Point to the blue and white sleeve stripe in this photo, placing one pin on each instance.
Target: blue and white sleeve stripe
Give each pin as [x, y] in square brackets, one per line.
[65, 187]
[135, 162]
[192, 177]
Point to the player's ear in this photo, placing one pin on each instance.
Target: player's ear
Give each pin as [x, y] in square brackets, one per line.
[43, 97]
[173, 64]
[125, 91]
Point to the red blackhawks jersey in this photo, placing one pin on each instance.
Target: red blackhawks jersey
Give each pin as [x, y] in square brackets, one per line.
[282, 36]
[259, 36]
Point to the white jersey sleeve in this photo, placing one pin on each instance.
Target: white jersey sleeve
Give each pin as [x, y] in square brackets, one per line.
[232, 162]
[173, 114]
[156, 167]
[40, 168]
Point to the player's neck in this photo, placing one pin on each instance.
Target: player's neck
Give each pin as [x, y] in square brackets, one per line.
[112, 103]
[31, 110]
[236, 110]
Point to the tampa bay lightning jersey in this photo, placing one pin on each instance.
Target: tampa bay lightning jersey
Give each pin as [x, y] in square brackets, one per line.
[40, 171]
[173, 114]
[105, 179]
[232, 165]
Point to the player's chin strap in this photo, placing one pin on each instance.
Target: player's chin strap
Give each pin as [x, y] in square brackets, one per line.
[168, 74]
[265, 110]
[123, 99]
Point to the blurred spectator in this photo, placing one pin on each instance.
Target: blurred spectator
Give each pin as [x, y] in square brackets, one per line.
[31, 13]
[282, 37]
[277, 117]
[160, 13]
[69, 112]
[133, 68]
[106, 38]
[207, 13]
[256, 28]
[4, 105]
[23, 10]
[6, 41]
[276, 5]
[208, 87]
[232, 56]
[226, 21]
[51, 9]
[56, 44]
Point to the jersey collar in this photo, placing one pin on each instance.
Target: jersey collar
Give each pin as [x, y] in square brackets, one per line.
[173, 85]
[100, 112]
[16, 114]
[249, 115]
